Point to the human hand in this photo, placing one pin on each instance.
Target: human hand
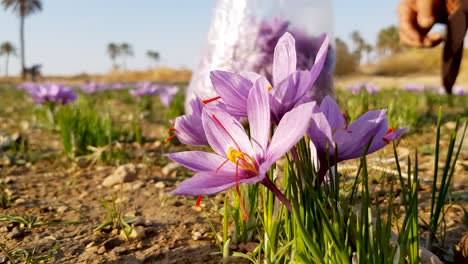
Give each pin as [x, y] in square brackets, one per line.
[416, 18]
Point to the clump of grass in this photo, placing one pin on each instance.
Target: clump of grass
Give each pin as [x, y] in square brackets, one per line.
[29, 256]
[115, 218]
[83, 129]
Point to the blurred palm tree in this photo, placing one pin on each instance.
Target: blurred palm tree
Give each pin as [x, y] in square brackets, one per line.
[7, 49]
[388, 41]
[153, 55]
[113, 50]
[126, 50]
[22, 8]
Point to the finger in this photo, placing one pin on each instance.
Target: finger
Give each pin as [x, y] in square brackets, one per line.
[432, 40]
[425, 10]
[407, 22]
[408, 40]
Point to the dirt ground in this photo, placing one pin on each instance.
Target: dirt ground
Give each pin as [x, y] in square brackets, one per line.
[66, 198]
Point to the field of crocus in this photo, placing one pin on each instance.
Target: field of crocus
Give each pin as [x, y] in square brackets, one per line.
[260, 173]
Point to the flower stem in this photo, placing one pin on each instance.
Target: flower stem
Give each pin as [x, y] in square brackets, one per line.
[272, 187]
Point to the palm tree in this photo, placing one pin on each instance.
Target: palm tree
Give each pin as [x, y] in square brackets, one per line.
[6, 49]
[388, 41]
[22, 8]
[113, 50]
[127, 50]
[153, 55]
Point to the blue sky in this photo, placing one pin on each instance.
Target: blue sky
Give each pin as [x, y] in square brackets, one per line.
[70, 37]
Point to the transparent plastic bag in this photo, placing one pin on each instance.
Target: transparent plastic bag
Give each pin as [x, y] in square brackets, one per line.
[243, 35]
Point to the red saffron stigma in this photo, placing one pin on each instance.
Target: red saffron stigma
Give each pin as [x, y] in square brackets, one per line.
[241, 201]
[222, 164]
[207, 101]
[219, 122]
[171, 137]
[198, 202]
[390, 130]
[171, 129]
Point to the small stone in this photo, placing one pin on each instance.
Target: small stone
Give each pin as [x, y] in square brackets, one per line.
[3, 259]
[3, 229]
[115, 232]
[137, 185]
[137, 232]
[16, 233]
[196, 235]
[124, 173]
[101, 250]
[169, 168]
[119, 250]
[61, 209]
[160, 185]
[111, 243]
[93, 249]
[91, 244]
[139, 245]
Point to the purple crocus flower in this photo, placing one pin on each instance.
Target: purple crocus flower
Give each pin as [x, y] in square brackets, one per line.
[52, 92]
[144, 89]
[289, 87]
[329, 130]
[459, 90]
[363, 86]
[27, 86]
[238, 158]
[166, 93]
[412, 87]
[189, 128]
[93, 87]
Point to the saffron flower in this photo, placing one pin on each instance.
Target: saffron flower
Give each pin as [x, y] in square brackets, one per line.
[412, 87]
[289, 88]
[330, 134]
[459, 90]
[53, 93]
[189, 128]
[363, 86]
[166, 93]
[238, 158]
[144, 89]
[93, 87]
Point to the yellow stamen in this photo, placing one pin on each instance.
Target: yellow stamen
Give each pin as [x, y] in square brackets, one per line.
[244, 160]
[269, 88]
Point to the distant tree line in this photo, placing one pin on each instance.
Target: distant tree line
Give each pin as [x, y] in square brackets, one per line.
[348, 61]
[125, 50]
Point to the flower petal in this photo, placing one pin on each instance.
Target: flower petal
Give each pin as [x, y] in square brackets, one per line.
[189, 130]
[224, 132]
[291, 128]
[232, 87]
[333, 113]
[353, 141]
[201, 161]
[320, 59]
[206, 183]
[258, 112]
[285, 59]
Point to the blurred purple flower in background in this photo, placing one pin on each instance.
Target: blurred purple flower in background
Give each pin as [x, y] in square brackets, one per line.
[166, 93]
[92, 87]
[413, 87]
[363, 86]
[26, 86]
[459, 90]
[144, 89]
[307, 48]
[52, 92]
